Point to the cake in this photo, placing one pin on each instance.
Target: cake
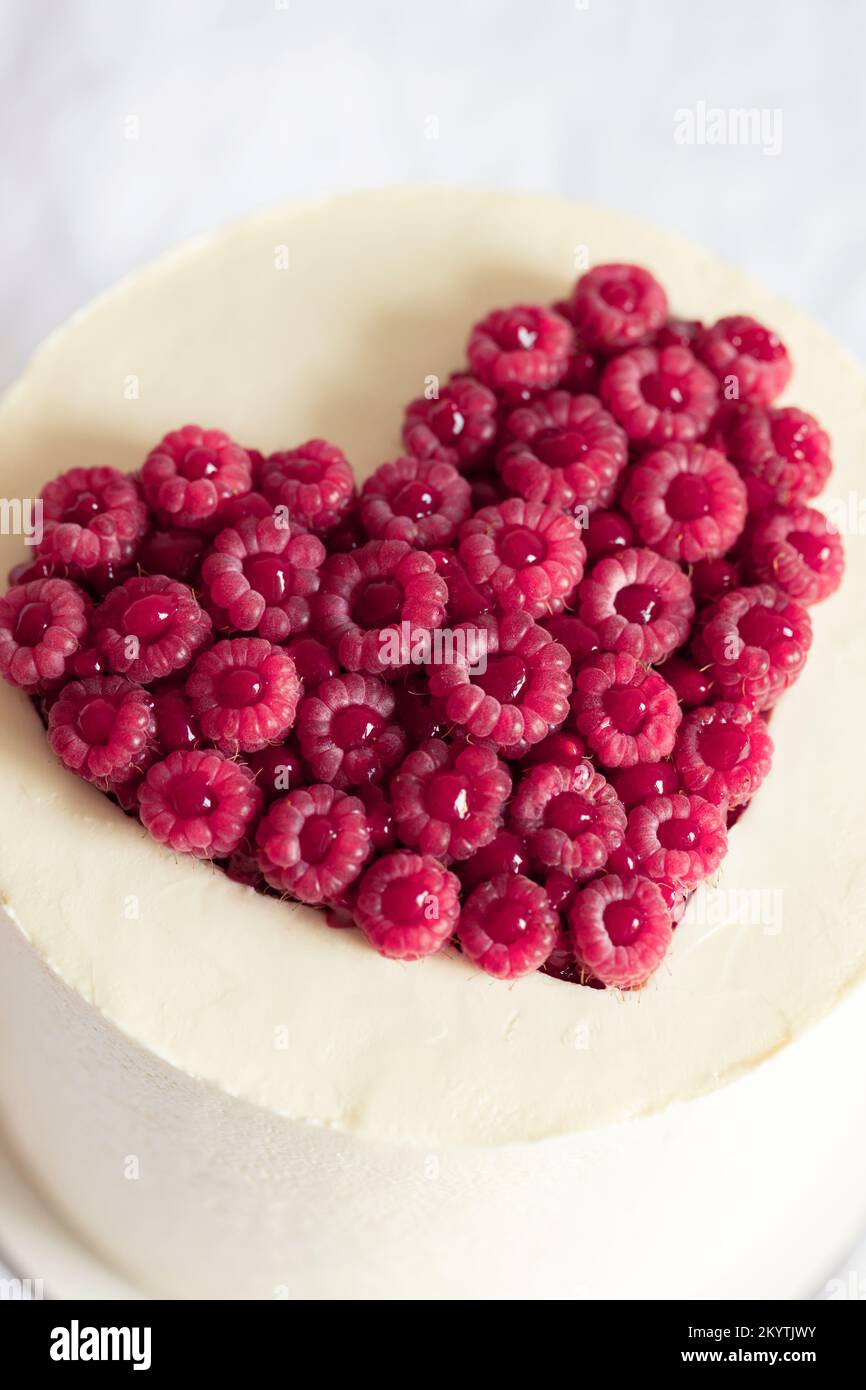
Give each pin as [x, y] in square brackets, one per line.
[222, 1098]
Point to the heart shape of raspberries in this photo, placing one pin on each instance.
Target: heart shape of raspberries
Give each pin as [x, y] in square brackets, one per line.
[512, 695]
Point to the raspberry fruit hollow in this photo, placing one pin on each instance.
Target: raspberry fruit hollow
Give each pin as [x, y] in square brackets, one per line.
[686, 501]
[378, 606]
[639, 603]
[198, 803]
[617, 306]
[150, 627]
[458, 424]
[465, 599]
[693, 685]
[448, 801]
[505, 854]
[420, 501]
[570, 818]
[677, 840]
[526, 346]
[739, 349]
[620, 929]
[723, 753]
[660, 397]
[191, 472]
[799, 551]
[176, 725]
[782, 455]
[564, 749]
[626, 712]
[407, 905]
[563, 450]
[312, 843]
[607, 533]
[91, 516]
[642, 781]
[531, 556]
[713, 578]
[314, 662]
[755, 643]
[314, 482]
[104, 729]
[43, 624]
[347, 731]
[508, 927]
[259, 577]
[244, 692]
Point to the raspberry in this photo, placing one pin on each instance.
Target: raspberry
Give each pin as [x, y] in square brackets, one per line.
[713, 578]
[798, 550]
[458, 424]
[565, 750]
[176, 725]
[348, 534]
[407, 905]
[314, 662]
[607, 533]
[27, 570]
[531, 556]
[277, 769]
[198, 803]
[103, 728]
[723, 753]
[782, 455]
[679, 840]
[42, 625]
[91, 516]
[465, 599]
[314, 481]
[741, 349]
[617, 306]
[572, 633]
[149, 627]
[639, 603]
[678, 333]
[420, 501]
[346, 731]
[686, 501]
[642, 781]
[448, 800]
[380, 816]
[584, 368]
[522, 694]
[627, 713]
[563, 450]
[507, 926]
[191, 472]
[659, 397]
[571, 818]
[505, 854]
[756, 642]
[259, 577]
[378, 604]
[249, 504]
[621, 929]
[526, 346]
[244, 693]
[693, 685]
[312, 843]
[421, 716]
[175, 554]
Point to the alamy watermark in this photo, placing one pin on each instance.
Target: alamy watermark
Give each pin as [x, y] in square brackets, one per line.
[760, 126]
[408, 646]
[22, 516]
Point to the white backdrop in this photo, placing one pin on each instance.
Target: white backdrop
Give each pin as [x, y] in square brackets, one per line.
[129, 126]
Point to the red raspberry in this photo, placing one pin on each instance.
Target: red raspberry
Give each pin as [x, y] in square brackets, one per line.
[314, 482]
[572, 633]
[277, 769]
[314, 662]
[346, 731]
[782, 455]
[526, 346]
[380, 816]
[407, 905]
[103, 728]
[259, 577]
[448, 800]
[584, 368]
[693, 685]
[686, 501]
[378, 604]
[564, 450]
[617, 306]
[250, 504]
[621, 929]
[175, 554]
[531, 556]
[608, 532]
[149, 627]
[42, 625]
[191, 472]
[626, 713]
[505, 854]
[571, 818]
[91, 516]
[642, 781]
[458, 424]
[741, 349]
[713, 578]
[465, 599]
[639, 603]
[244, 693]
[312, 843]
[522, 694]
[660, 397]
[563, 749]
[198, 803]
[678, 333]
[756, 642]
[507, 926]
[798, 550]
[679, 840]
[420, 716]
[176, 725]
[723, 753]
[420, 501]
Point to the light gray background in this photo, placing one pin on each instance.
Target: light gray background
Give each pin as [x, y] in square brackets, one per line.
[129, 126]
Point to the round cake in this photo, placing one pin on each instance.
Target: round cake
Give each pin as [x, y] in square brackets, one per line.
[223, 1098]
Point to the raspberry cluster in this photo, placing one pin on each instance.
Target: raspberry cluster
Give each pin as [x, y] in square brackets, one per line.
[513, 695]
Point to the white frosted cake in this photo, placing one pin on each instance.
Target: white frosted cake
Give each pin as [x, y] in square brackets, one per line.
[221, 1097]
